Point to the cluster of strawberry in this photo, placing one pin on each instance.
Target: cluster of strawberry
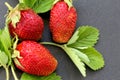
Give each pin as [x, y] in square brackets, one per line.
[28, 26]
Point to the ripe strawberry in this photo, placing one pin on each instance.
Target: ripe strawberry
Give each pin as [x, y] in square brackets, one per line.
[35, 59]
[62, 21]
[25, 23]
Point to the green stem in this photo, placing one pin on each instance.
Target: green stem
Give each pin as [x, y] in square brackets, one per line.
[54, 44]
[64, 47]
[58, 45]
[67, 51]
[9, 7]
[7, 73]
[13, 72]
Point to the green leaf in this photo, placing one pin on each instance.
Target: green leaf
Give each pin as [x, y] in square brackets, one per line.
[5, 37]
[42, 6]
[0, 31]
[52, 76]
[39, 6]
[29, 3]
[85, 36]
[81, 55]
[1, 47]
[74, 38]
[5, 42]
[3, 58]
[96, 59]
[76, 60]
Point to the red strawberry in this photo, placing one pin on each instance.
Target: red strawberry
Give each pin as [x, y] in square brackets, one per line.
[35, 59]
[25, 23]
[62, 21]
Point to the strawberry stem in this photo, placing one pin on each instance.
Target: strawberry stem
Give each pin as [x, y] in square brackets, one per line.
[7, 73]
[64, 47]
[9, 7]
[13, 72]
[54, 44]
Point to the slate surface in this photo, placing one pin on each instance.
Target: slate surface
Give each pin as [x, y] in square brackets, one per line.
[102, 14]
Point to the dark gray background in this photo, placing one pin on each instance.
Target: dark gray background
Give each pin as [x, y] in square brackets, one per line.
[103, 14]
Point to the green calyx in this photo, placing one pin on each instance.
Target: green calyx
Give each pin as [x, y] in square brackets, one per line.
[18, 63]
[14, 13]
[69, 2]
[16, 53]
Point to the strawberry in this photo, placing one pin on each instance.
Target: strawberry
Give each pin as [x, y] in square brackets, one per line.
[25, 23]
[35, 59]
[63, 18]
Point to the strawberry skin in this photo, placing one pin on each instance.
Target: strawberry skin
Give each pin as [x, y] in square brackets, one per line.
[36, 59]
[29, 27]
[62, 22]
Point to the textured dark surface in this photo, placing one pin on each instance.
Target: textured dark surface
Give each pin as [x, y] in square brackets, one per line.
[103, 14]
